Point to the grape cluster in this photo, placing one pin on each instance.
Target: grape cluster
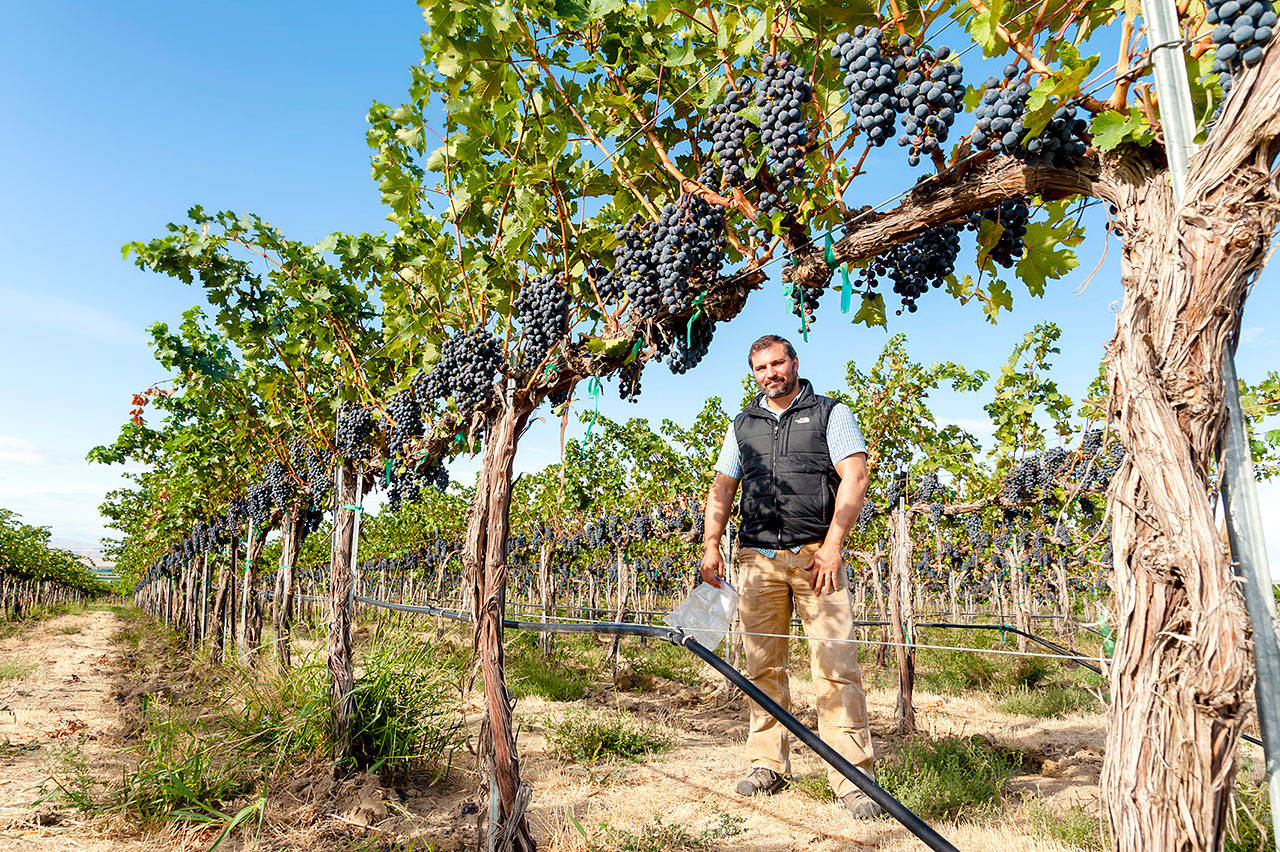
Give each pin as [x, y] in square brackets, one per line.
[355, 428]
[1241, 29]
[804, 298]
[1012, 216]
[409, 480]
[692, 241]
[781, 96]
[468, 364]
[318, 477]
[915, 266]
[277, 481]
[404, 412]
[258, 504]
[661, 264]
[870, 78]
[927, 488]
[604, 283]
[730, 131]
[998, 125]
[629, 381]
[929, 99]
[1023, 481]
[685, 354]
[542, 309]
[635, 265]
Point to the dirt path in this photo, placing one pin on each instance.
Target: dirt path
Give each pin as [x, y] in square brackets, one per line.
[56, 712]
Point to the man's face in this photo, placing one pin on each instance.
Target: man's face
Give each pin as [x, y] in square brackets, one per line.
[775, 371]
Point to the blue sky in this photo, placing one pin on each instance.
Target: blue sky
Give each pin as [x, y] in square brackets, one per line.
[119, 117]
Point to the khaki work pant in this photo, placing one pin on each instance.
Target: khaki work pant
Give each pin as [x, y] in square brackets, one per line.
[768, 589]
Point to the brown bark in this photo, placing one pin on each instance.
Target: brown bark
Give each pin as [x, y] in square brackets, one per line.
[1181, 673]
[902, 615]
[484, 556]
[290, 543]
[342, 701]
[217, 618]
[250, 602]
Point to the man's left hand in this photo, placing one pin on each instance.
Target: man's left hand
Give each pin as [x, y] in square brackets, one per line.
[824, 570]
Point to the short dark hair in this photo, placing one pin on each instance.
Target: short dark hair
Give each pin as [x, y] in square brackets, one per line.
[767, 341]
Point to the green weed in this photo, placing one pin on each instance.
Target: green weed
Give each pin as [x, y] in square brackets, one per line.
[529, 673]
[1054, 700]
[403, 718]
[1075, 827]
[659, 836]
[814, 787]
[666, 661]
[588, 736]
[1252, 831]
[947, 778]
[14, 670]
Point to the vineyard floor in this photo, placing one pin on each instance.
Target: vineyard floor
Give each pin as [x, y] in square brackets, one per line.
[56, 714]
[73, 707]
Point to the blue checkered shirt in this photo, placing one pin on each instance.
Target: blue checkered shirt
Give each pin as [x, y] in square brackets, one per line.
[844, 438]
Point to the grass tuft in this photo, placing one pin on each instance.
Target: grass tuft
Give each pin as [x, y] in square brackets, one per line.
[814, 787]
[1057, 699]
[14, 670]
[659, 836]
[949, 778]
[1252, 828]
[588, 736]
[1075, 827]
[529, 673]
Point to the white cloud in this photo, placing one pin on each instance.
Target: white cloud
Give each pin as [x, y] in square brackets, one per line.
[77, 317]
[1249, 334]
[19, 451]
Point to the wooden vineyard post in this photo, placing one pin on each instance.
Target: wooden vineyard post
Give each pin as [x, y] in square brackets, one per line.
[250, 600]
[545, 550]
[217, 621]
[204, 595]
[290, 544]
[901, 613]
[1067, 624]
[341, 670]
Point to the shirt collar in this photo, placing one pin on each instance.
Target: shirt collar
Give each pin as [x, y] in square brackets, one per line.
[805, 390]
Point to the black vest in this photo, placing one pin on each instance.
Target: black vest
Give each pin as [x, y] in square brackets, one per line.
[788, 481]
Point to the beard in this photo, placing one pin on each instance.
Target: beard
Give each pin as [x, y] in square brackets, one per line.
[783, 388]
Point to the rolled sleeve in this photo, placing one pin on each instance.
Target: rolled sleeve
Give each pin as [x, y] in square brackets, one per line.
[729, 462]
[844, 438]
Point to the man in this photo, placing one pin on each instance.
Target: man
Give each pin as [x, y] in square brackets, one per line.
[803, 468]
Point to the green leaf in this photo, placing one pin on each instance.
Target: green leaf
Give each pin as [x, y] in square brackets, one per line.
[608, 347]
[1112, 128]
[871, 313]
[748, 44]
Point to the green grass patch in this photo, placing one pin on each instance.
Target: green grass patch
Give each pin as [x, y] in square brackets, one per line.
[949, 778]
[663, 660]
[1075, 827]
[813, 787]
[659, 836]
[554, 678]
[1252, 830]
[588, 736]
[15, 670]
[1055, 700]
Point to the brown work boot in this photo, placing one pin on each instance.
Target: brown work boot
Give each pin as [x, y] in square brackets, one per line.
[761, 780]
[860, 805]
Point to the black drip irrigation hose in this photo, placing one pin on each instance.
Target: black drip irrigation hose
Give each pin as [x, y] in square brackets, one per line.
[878, 794]
[627, 629]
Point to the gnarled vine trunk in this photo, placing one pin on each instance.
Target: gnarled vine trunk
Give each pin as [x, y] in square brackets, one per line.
[292, 534]
[250, 637]
[342, 699]
[485, 557]
[1181, 674]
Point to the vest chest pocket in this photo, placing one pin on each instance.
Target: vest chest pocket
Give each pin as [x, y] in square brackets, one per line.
[804, 436]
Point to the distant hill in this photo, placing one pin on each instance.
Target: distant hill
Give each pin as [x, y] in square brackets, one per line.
[91, 551]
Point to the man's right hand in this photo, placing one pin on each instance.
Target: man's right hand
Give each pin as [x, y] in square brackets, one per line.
[712, 565]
